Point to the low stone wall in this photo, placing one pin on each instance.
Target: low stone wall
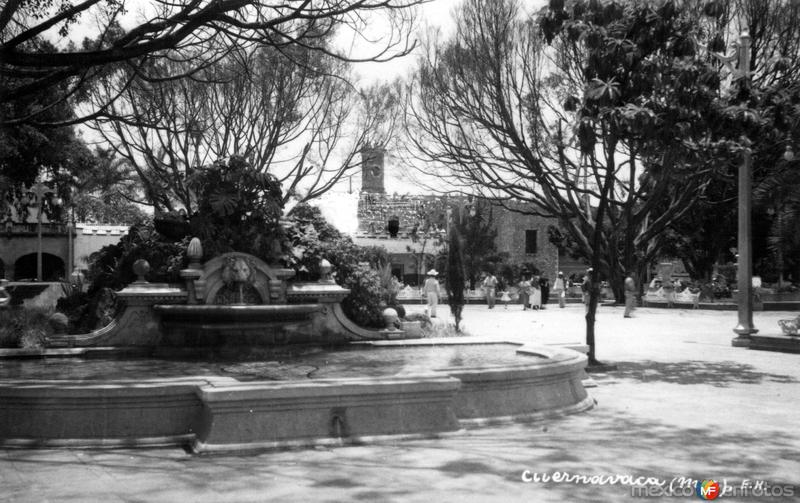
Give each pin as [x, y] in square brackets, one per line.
[223, 414]
[120, 413]
[259, 415]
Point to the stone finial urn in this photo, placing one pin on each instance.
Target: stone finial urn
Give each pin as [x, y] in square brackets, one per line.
[140, 268]
[325, 269]
[390, 318]
[195, 253]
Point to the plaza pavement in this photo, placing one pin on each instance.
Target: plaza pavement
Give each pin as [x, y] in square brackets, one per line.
[683, 403]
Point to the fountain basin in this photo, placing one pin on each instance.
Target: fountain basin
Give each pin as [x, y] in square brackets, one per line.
[214, 325]
[221, 413]
[202, 315]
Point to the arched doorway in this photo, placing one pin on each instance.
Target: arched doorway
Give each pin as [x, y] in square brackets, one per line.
[52, 268]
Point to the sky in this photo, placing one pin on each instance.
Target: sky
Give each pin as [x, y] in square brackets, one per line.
[340, 203]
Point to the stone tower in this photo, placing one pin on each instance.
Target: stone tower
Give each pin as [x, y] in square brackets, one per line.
[372, 170]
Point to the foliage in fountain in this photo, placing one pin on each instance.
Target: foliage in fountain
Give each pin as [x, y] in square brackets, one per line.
[238, 211]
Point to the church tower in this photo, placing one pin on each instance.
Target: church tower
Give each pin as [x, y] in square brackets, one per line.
[372, 170]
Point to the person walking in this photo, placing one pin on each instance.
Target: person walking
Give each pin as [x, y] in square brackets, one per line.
[630, 295]
[525, 292]
[536, 293]
[431, 291]
[586, 288]
[669, 291]
[505, 298]
[544, 284]
[490, 287]
[560, 289]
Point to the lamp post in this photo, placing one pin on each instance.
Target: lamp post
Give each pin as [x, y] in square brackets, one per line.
[745, 326]
[745, 246]
[70, 269]
[40, 190]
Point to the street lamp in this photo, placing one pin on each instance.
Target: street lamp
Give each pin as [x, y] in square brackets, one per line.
[40, 190]
[745, 326]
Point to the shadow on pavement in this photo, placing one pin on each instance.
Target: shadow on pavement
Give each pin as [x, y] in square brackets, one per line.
[719, 374]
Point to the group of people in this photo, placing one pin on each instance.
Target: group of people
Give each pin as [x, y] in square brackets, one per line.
[534, 291]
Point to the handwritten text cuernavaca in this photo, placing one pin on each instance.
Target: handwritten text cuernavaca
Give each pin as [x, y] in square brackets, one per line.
[631, 480]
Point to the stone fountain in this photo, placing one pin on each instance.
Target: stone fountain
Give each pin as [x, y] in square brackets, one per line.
[232, 299]
[236, 299]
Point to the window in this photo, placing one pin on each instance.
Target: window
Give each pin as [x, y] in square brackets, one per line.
[530, 241]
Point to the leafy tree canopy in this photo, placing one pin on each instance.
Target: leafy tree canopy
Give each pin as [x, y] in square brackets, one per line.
[118, 39]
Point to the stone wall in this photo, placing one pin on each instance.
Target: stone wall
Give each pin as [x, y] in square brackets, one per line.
[511, 227]
[375, 210]
[90, 238]
[20, 240]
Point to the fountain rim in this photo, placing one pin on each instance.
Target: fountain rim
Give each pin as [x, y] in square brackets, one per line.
[463, 397]
[548, 356]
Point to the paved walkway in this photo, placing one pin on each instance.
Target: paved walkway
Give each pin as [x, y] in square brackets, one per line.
[683, 403]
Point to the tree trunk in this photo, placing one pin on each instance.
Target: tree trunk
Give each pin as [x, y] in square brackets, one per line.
[590, 319]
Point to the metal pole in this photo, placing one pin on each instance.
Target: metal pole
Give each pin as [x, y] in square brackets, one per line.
[745, 280]
[39, 190]
[39, 240]
[745, 245]
[70, 260]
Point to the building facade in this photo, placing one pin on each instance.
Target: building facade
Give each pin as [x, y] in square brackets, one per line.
[413, 228]
[64, 247]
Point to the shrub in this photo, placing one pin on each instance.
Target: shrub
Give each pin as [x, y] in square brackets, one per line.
[24, 328]
[390, 285]
[112, 266]
[111, 269]
[364, 305]
[363, 270]
[430, 330]
[239, 209]
[423, 319]
[75, 305]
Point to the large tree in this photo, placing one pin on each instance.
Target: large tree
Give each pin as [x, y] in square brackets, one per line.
[290, 112]
[595, 114]
[766, 111]
[476, 227]
[105, 192]
[28, 150]
[115, 38]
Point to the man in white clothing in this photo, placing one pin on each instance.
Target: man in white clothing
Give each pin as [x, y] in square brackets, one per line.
[431, 291]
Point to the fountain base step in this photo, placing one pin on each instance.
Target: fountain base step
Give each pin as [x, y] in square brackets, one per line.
[339, 411]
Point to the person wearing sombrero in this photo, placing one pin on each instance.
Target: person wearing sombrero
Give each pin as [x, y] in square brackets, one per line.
[431, 291]
[490, 287]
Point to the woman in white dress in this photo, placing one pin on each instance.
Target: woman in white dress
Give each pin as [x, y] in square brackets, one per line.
[536, 293]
